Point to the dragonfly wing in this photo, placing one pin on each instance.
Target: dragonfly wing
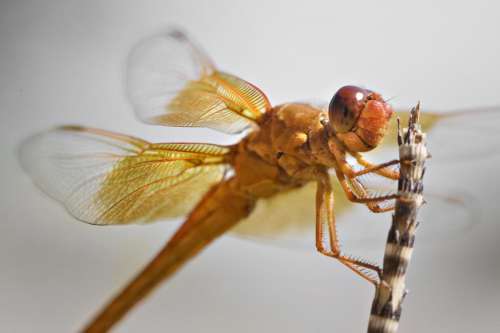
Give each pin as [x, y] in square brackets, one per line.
[290, 216]
[106, 178]
[288, 219]
[170, 81]
[452, 136]
[457, 135]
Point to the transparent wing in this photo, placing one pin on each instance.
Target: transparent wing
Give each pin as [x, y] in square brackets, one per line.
[456, 135]
[170, 81]
[452, 136]
[288, 219]
[108, 178]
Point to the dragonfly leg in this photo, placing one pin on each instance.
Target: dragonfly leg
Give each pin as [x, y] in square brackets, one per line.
[325, 223]
[376, 208]
[379, 169]
[346, 168]
[362, 196]
[373, 203]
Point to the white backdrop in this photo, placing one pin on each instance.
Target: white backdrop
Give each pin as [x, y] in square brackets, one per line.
[63, 62]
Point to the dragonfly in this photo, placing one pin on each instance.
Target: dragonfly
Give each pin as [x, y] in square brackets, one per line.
[294, 160]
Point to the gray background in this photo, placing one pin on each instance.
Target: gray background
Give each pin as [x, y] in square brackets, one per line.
[63, 62]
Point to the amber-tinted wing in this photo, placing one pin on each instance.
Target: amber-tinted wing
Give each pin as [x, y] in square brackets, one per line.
[170, 81]
[288, 216]
[288, 219]
[456, 136]
[108, 178]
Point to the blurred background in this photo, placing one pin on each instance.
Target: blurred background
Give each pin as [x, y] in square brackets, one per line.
[64, 61]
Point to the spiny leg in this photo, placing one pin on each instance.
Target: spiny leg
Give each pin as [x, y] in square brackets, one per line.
[325, 219]
[371, 202]
[376, 208]
[379, 169]
[375, 205]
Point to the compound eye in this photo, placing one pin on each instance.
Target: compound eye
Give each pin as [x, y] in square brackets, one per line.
[346, 106]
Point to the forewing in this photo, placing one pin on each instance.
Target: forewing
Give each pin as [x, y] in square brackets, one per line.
[289, 218]
[170, 81]
[456, 135]
[452, 136]
[107, 178]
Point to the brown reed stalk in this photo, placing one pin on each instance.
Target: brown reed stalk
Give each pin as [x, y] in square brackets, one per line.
[391, 290]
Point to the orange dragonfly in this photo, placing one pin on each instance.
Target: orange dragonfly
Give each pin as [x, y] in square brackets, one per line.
[289, 157]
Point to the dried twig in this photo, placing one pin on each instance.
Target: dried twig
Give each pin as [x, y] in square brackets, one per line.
[391, 290]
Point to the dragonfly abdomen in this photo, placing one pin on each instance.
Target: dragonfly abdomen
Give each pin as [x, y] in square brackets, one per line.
[221, 208]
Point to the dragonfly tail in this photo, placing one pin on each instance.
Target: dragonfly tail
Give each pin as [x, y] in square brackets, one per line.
[220, 209]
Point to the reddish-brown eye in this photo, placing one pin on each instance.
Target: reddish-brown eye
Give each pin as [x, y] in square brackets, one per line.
[346, 106]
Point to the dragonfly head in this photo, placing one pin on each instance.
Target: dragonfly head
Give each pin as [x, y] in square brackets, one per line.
[359, 117]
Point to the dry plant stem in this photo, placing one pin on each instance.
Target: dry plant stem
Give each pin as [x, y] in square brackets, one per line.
[391, 290]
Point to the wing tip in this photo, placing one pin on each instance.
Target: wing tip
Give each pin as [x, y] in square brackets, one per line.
[26, 151]
[22, 153]
[177, 33]
[72, 128]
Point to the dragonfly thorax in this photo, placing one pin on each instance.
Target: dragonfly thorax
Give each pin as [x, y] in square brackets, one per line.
[292, 139]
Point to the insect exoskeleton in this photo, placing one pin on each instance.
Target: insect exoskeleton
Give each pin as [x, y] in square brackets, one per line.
[359, 117]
